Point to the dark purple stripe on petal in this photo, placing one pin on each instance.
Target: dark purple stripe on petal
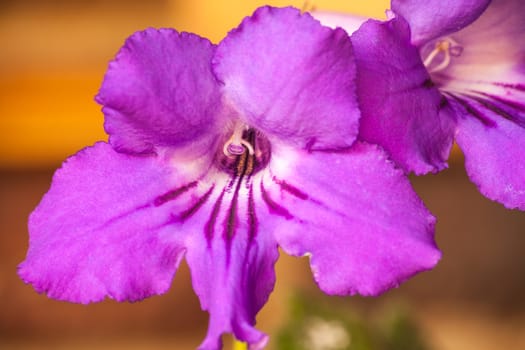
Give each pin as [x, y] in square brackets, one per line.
[252, 217]
[122, 216]
[513, 104]
[517, 107]
[518, 87]
[485, 120]
[230, 223]
[209, 229]
[273, 206]
[171, 195]
[290, 189]
[491, 106]
[196, 206]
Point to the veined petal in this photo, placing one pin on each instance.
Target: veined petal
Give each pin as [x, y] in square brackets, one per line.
[492, 57]
[350, 23]
[103, 230]
[231, 261]
[434, 18]
[494, 148]
[353, 213]
[160, 91]
[290, 77]
[402, 110]
[486, 84]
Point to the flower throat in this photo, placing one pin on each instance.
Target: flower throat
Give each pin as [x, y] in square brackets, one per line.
[245, 153]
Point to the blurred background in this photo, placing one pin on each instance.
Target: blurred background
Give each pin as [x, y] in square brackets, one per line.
[54, 55]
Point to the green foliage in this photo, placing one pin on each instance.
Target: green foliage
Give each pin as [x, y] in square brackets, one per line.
[321, 324]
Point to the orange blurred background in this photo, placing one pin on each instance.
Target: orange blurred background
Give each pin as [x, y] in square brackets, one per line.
[56, 52]
[54, 56]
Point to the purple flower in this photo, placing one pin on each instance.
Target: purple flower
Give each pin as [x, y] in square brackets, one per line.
[219, 154]
[439, 70]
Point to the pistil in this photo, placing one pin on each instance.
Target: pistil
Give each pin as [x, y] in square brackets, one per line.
[236, 145]
[444, 49]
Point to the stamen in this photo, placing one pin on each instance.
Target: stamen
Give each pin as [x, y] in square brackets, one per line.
[443, 64]
[236, 144]
[445, 48]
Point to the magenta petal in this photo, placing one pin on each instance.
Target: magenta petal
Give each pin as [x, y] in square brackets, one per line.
[290, 77]
[102, 229]
[231, 262]
[160, 91]
[354, 214]
[434, 18]
[494, 148]
[492, 54]
[486, 84]
[401, 108]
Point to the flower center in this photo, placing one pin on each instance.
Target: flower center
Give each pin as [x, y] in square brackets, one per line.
[245, 152]
[440, 56]
[237, 145]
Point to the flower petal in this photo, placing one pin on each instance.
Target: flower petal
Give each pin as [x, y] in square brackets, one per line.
[402, 110]
[492, 53]
[494, 148]
[486, 85]
[231, 262]
[353, 213]
[160, 91]
[102, 229]
[434, 18]
[350, 23]
[290, 77]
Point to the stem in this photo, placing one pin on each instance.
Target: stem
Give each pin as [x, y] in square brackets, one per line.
[239, 345]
